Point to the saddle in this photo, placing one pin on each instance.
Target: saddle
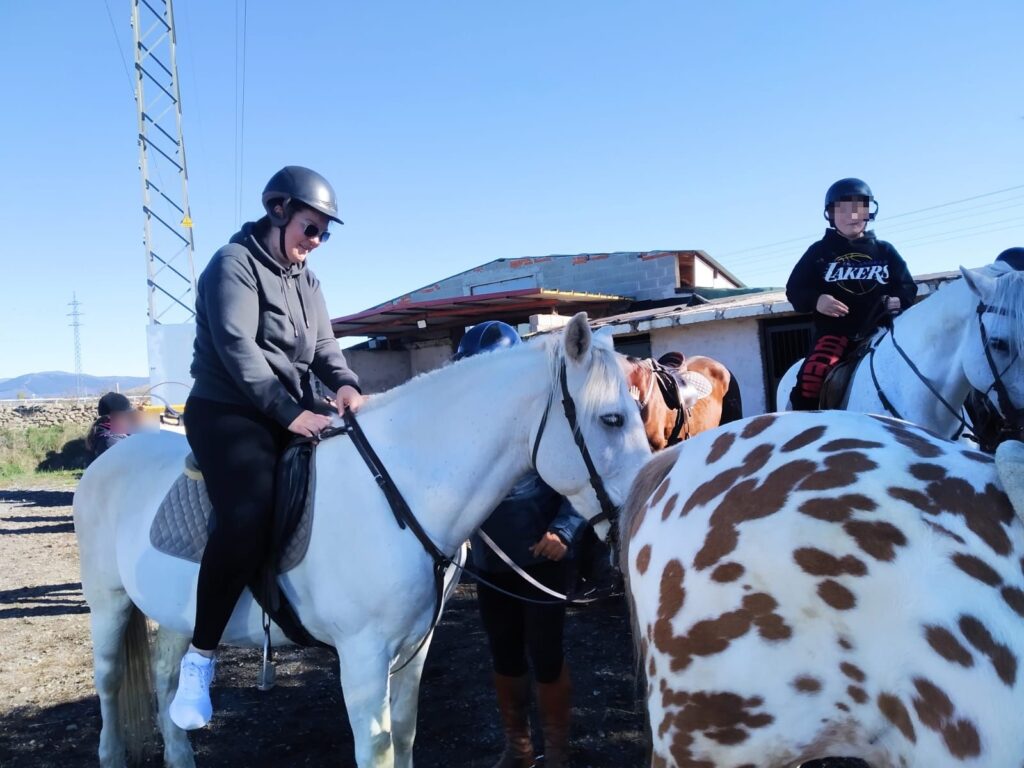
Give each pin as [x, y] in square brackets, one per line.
[680, 389]
[185, 518]
[835, 390]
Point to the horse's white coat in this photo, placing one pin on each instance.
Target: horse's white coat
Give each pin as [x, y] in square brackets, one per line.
[454, 442]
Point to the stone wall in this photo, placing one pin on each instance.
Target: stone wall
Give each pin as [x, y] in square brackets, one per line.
[18, 415]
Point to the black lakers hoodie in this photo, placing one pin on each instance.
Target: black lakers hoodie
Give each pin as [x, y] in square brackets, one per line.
[856, 272]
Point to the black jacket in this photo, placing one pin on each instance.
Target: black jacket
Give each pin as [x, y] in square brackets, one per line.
[530, 510]
[261, 328]
[856, 272]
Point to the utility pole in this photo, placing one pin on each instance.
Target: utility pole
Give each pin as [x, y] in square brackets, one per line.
[167, 230]
[167, 218]
[75, 323]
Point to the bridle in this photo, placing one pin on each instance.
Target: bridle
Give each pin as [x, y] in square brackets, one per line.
[609, 511]
[1010, 418]
[406, 518]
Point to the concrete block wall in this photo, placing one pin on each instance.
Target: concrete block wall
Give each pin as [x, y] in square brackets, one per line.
[652, 275]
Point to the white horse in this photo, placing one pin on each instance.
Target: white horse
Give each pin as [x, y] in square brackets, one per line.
[829, 584]
[943, 338]
[454, 441]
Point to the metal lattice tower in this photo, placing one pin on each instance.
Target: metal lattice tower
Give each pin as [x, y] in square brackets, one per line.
[168, 223]
[75, 323]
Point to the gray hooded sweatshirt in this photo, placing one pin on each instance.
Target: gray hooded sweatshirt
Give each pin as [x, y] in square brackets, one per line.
[260, 329]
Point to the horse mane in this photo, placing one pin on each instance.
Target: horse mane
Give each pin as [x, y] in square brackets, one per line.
[603, 381]
[1009, 297]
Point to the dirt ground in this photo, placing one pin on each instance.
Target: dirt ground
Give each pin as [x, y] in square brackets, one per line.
[49, 714]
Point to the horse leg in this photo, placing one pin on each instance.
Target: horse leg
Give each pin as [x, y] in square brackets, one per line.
[120, 649]
[405, 695]
[170, 647]
[365, 668]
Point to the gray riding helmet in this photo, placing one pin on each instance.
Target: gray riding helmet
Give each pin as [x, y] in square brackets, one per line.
[296, 183]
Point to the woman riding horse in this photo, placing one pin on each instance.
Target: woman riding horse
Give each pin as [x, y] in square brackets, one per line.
[261, 329]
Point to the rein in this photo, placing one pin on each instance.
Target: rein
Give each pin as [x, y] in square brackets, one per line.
[405, 517]
[609, 511]
[1013, 417]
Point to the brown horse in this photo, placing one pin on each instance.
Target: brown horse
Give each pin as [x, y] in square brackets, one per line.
[681, 397]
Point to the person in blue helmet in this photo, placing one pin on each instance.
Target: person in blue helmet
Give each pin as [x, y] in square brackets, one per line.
[1013, 257]
[537, 529]
[843, 279]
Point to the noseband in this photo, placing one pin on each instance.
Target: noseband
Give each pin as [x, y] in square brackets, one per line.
[1010, 418]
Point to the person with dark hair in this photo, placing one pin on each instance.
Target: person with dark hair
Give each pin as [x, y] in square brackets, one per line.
[117, 419]
[843, 278]
[262, 331]
[536, 529]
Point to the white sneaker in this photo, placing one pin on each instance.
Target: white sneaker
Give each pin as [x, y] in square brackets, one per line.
[191, 707]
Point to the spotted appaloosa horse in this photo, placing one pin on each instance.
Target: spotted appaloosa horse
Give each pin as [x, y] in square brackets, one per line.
[690, 411]
[807, 585]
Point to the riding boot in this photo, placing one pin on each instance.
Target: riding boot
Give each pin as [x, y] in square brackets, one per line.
[514, 707]
[554, 701]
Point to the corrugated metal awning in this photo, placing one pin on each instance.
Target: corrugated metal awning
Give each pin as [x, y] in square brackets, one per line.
[410, 317]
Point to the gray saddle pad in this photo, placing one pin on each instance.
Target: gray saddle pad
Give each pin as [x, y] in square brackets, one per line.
[181, 527]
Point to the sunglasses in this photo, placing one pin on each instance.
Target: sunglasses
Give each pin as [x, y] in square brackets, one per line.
[312, 230]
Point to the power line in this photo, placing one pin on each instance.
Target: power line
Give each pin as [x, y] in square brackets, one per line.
[120, 50]
[912, 246]
[805, 238]
[771, 255]
[955, 202]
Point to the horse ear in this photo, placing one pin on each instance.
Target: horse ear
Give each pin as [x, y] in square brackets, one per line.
[981, 285]
[578, 338]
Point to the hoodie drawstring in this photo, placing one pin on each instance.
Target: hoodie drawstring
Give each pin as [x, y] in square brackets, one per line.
[288, 304]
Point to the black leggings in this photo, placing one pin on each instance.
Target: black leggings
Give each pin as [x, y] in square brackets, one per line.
[237, 449]
[515, 628]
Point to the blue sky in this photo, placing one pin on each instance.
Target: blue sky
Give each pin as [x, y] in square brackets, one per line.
[460, 132]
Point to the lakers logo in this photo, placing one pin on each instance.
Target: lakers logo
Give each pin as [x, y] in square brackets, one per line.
[857, 273]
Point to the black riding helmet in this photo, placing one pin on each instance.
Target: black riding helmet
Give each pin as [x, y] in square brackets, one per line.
[1013, 256]
[295, 183]
[486, 337]
[849, 189]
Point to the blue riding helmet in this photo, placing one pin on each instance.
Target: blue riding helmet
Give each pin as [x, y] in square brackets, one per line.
[487, 337]
[1013, 256]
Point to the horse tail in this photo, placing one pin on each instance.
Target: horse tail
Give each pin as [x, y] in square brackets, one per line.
[732, 403]
[135, 698]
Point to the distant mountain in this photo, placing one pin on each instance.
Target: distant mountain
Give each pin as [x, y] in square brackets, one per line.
[61, 384]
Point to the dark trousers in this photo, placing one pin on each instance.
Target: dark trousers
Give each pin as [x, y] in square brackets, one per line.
[237, 449]
[517, 630]
[827, 351]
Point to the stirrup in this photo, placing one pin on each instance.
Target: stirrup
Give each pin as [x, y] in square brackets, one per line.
[267, 677]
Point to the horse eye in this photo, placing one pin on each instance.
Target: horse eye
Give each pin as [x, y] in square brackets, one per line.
[613, 419]
[999, 345]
